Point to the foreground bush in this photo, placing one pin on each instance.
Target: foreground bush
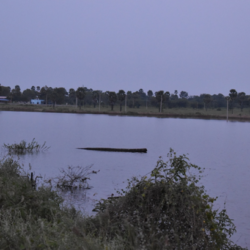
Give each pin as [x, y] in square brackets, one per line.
[35, 219]
[166, 210]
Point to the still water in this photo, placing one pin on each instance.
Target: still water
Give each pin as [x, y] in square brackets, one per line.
[222, 148]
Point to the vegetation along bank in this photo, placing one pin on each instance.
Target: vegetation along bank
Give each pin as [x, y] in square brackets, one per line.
[235, 105]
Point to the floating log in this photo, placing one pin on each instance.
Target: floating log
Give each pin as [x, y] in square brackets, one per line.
[131, 150]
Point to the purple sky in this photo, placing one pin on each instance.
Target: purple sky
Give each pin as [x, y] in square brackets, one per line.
[196, 45]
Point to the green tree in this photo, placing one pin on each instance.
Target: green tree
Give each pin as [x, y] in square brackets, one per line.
[44, 92]
[95, 97]
[112, 97]
[52, 94]
[16, 93]
[166, 97]
[207, 99]
[129, 98]
[142, 94]
[184, 95]
[150, 94]
[72, 96]
[241, 99]
[233, 96]
[28, 94]
[135, 96]
[80, 94]
[121, 97]
[60, 95]
[5, 91]
[159, 95]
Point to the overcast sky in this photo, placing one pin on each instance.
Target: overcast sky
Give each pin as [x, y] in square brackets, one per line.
[200, 46]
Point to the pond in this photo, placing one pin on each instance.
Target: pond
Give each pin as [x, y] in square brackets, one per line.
[221, 147]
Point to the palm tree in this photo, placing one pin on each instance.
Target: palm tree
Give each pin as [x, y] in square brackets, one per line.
[233, 95]
[121, 97]
[80, 94]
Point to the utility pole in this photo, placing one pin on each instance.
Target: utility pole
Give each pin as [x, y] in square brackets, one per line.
[227, 98]
[161, 105]
[99, 100]
[125, 103]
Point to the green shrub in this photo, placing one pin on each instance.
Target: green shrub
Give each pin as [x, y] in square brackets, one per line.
[166, 210]
[35, 219]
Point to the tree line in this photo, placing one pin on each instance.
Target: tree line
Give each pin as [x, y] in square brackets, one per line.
[160, 99]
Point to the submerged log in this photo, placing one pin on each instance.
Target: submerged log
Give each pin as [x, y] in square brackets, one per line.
[131, 150]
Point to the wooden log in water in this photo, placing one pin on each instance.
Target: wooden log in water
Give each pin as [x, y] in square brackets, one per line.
[131, 150]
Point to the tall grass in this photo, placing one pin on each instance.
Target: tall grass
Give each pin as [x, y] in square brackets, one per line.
[35, 218]
[23, 147]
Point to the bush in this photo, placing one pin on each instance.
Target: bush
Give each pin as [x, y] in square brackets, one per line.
[36, 219]
[166, 210]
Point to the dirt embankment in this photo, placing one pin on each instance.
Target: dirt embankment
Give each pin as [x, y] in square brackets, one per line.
[195, 115]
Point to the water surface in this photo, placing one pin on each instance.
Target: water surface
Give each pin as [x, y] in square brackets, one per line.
[221, 147]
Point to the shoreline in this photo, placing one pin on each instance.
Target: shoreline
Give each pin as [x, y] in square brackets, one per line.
[196, 115]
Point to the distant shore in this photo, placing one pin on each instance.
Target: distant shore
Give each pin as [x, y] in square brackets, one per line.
[216, 114]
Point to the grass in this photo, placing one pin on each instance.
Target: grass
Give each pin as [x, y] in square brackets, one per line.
[23, 147]
[35, 218]
[142, 111]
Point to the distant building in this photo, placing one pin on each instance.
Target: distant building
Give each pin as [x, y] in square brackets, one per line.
[37, 101]
[4, 99]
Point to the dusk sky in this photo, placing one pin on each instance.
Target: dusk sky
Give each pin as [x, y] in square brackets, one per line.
[193, 45]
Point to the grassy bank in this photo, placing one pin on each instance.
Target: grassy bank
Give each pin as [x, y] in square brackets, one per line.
[164, 210]
[142, 111]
